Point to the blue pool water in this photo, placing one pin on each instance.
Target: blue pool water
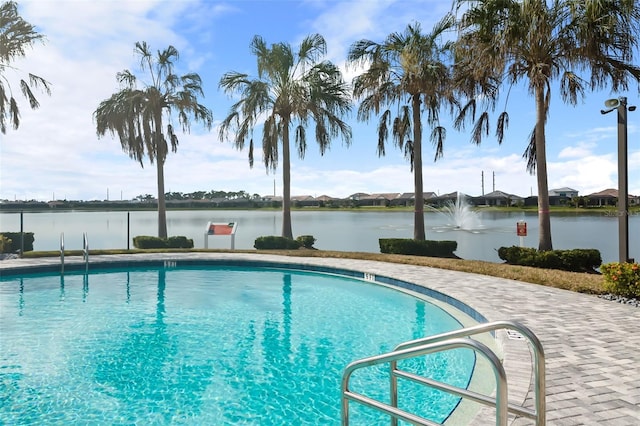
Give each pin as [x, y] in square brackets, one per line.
[209, 345]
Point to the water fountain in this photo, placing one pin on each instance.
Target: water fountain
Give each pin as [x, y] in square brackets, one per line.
[460, 216]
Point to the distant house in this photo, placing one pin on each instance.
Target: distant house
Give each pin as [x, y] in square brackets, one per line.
[606, 197]
[444, 199]
[378, 199]
[408, 198]
[563, 192]
[609, 197]
[497, 198]
[304, 201]
[327, 201]
[357, 196]
[271, 200]
[554, 200]
[326, 198]
[557, 197]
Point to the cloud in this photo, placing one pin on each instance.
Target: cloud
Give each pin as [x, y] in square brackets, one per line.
[582, 149]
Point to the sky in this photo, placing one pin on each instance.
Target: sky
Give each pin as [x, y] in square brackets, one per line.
[56, 154]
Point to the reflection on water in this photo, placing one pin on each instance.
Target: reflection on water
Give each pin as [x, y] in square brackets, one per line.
[357, 230]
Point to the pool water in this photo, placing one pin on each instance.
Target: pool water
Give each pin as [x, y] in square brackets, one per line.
[209, 345]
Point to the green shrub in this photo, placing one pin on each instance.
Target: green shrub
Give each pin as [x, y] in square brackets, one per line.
[147, 242]
[272, 242]
[622, 278]
[418, 247]
[4, 242]
[577, 260]
[581, 259]
[179, 242]
[14, 238]
[307, 241]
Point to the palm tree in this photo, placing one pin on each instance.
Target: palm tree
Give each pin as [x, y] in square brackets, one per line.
[408, 71]
[290, 88]
[16, 35]
[137, 116]
[541, 42]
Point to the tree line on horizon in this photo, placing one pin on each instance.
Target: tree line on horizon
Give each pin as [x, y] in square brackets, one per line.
[408, 80]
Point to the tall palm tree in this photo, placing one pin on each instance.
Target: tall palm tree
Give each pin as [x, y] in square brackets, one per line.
[582, 44]
[16, 35]
[137, 116]
[290, 88]
[409, 73]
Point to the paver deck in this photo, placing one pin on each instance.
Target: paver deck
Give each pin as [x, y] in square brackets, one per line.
[592, 346]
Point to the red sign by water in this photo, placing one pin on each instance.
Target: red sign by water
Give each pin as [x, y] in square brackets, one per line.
[521, 229]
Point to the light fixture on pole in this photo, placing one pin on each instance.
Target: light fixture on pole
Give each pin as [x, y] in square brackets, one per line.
[620, 104]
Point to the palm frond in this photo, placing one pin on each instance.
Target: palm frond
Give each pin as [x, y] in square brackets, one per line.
[16, 35]
[383, 132]
[480, 128]
[409, 153]
[530, 153]
[438, 136]
[503, 123]
[28, 94]
[301, 141]
[312, 48]
[467, 112]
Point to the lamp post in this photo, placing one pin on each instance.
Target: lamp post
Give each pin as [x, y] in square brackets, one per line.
[620, 104]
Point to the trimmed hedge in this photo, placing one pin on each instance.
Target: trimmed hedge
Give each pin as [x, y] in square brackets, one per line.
[307, 241]
[577, 260]
[418, 247]
[179, 242]
[272, 242]
[14, 243]
[148, 242]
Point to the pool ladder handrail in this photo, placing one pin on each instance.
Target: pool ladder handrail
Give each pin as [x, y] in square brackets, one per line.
[85, 251]
[443, 342]
[62, 253]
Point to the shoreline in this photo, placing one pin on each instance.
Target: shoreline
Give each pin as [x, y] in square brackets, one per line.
[609, 211]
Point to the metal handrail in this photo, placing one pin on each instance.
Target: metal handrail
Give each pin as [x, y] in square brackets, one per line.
[539, 414]
[440, 343]
[394, 411]
[62, 253]
[85, 251]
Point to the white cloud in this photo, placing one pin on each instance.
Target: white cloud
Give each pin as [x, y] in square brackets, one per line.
[582, 149]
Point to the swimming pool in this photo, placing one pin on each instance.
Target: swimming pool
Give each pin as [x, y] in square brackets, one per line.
[208, 344]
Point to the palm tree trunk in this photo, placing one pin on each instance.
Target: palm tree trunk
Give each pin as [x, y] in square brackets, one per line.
[544, 220]
[286, 182]
[161, 155]
[162, 209]
[418, 214]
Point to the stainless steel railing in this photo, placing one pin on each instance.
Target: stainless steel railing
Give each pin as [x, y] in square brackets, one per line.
[62, 253]
[85, 251]
[444, 342]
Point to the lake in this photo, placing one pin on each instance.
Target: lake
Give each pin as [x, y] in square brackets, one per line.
[479, 236]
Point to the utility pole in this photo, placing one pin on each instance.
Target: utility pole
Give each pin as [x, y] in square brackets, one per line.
[494, 181]
[482, 175]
